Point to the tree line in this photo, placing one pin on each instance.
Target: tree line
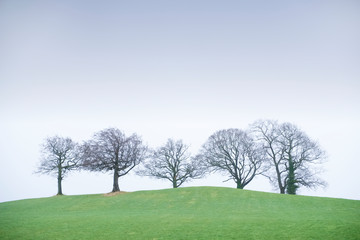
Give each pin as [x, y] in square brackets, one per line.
[279, 151]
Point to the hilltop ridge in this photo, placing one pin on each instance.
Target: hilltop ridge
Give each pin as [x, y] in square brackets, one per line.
[183, 213]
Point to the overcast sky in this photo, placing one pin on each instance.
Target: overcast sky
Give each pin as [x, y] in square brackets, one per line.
[175, 69]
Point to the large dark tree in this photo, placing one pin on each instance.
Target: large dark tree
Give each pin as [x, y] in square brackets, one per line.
[110, 150]
[59, 156]
[293, 159]
[235, 153]
[172, 162]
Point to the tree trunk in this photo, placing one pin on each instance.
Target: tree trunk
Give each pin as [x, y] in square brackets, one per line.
[59, 178]
[278, 175]
[174, 184]
[116, 181]
[239, 185]
[59, 187]
[291, 183]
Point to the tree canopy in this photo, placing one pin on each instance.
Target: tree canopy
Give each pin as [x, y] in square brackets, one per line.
[292, 158]
[235, 153]
[111, 150]
[173, 162]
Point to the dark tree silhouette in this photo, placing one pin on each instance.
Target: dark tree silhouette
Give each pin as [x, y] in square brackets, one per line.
[59, 156]
[172, 162]
[111, 150]
[293, 159]
[235, 153]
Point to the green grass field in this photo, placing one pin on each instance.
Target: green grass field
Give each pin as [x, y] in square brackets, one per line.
[184, 213]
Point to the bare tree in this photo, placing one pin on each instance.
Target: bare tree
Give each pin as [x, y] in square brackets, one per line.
[294, 158]
[111, 150]
[59, 156]
[302, 156]
[172, 162]
[267, 133]
[234, 152]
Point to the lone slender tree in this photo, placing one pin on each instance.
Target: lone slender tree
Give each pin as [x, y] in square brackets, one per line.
[59, 156]
[293, 158]
[235, 153]
[173, 162]
[110, 150]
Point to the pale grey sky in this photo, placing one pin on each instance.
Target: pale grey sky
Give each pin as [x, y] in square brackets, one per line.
[175, 69]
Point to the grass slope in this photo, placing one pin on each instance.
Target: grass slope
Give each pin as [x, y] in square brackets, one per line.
[184, 213]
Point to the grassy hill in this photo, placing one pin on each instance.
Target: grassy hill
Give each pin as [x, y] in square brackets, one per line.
[184, 213]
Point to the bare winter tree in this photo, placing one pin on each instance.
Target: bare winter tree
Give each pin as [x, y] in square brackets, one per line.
[267, 132]
[294, 158]
[172, 162]
[234, 152]
[111, 150]
[302, 156]
[59, 156]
